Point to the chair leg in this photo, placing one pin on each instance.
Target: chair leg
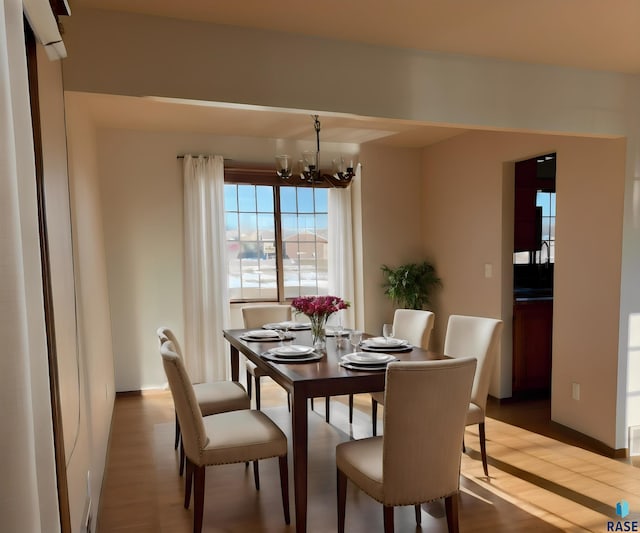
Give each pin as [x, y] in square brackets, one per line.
[198, 490]
[182, 458]
[188, 483]
[483, 449]
[388, 518]
[249, 385]
[418, 514]
[258, 393]
[350, 408]
[177, 439]
[451, 508]
[284, 487]
[326, 409]
[256, 475]
[374, 417]
[342, 499]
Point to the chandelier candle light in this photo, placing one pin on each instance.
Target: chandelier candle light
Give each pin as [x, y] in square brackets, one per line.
[341, 174]
[318, 309]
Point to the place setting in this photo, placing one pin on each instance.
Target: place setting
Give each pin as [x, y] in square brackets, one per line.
[291, 353]
[288, 325]
[267, 335]
[387, 343]
[363, 361]
[366, 361]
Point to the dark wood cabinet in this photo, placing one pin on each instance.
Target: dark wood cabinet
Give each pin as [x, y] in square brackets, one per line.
[526, 236]
[532, 335]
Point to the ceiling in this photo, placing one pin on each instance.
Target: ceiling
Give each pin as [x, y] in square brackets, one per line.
[591, 34]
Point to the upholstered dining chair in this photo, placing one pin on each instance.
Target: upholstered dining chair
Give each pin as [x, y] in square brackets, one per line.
[255, 317]
[414, 326]
[413, 462]
[479, 337]
[224, 438]
[214, 397]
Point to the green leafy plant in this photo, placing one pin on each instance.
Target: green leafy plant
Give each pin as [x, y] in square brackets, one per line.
[410, 286]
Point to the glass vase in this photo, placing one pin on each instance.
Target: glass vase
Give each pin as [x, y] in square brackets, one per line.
[318, 332]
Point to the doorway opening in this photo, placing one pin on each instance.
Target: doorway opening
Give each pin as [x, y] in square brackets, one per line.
[533, 268]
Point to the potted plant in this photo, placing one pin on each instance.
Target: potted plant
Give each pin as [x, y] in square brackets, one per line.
[410, 286]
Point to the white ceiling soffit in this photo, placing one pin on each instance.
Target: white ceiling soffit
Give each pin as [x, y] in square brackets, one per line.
[162, 114]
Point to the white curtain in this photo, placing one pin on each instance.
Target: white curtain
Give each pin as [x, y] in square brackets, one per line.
[28, 494]
[205, 269]
[341, 263]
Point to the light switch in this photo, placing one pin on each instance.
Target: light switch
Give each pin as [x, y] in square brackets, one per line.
[488, 270]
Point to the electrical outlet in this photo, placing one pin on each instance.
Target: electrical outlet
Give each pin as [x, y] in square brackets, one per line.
[575, 391]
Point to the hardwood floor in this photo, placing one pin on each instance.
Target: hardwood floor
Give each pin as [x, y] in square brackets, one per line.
[536, 483]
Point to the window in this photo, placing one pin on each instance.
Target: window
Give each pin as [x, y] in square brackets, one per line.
[277, 240]
[546, 203]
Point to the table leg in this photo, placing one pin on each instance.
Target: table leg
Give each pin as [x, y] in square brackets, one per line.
[235, 363]
[300, 439]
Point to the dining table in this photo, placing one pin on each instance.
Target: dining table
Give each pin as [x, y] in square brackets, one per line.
[303, 380]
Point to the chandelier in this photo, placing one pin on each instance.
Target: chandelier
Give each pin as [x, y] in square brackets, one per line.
[310, 172]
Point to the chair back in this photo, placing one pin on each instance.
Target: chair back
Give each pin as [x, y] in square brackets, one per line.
[479, 337]
[425, 409]
[165, 334]
[413, 325]
[194, 435]
[256, 316]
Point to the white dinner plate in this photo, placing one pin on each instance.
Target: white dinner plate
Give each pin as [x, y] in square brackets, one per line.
[368, 358]
[262, 334]
[381, 342]
[293, 350]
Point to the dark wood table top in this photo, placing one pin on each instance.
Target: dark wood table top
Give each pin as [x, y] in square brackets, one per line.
[323, 377]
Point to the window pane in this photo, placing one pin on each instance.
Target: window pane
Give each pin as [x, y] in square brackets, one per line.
[230, 197]
[543, 200]
[322, 196]
[246, 197]
[546, 221]
[322, 225]
[265, 199]
[305, 245]
[248, 226]
[306, 224]
[305, 200]
[289, 225]
[288, 199]
[553, 204]
[231, 226]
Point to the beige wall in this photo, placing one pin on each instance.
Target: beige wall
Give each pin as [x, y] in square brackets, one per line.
[467, 205]
[391, 231]
[96, 381]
